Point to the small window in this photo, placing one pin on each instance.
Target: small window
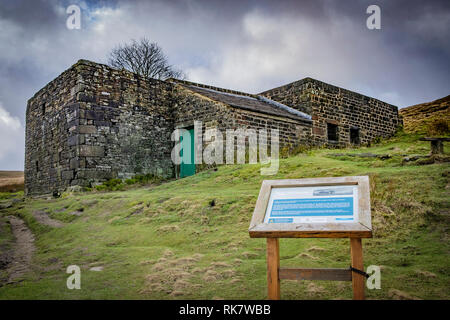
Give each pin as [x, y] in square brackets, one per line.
[354, 135]
[332, 130]
[43, 108]
[37, 166]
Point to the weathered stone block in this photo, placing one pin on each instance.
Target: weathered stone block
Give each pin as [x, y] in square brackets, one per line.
[94, 174]
[87, 129]
[318, 131]
[82, 97]
[73, 140]
[92, 151]
[94, 115]
[67, 175]
[74, 163]
[79, 182]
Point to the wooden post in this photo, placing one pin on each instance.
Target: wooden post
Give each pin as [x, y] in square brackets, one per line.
[273, 266]
[358, 280]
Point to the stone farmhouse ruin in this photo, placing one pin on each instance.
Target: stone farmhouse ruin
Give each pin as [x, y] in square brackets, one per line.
[93, 123]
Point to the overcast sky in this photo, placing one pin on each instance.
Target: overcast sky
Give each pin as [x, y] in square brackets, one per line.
[244, 45]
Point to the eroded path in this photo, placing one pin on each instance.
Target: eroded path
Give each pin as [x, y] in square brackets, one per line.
[23, 250]
[43, 218]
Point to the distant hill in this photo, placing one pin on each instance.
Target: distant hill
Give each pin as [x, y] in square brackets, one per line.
[422, 118]
[11, 181]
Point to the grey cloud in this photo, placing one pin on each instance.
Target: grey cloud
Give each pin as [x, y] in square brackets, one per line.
[246, 45]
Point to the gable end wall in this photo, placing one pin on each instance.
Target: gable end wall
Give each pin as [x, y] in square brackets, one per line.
[99, 123]
[330, 104]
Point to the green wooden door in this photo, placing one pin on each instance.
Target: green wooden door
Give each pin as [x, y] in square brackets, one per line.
[187, 166]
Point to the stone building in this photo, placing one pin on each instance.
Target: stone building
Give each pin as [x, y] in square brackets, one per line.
[93, 123]
[339, 117]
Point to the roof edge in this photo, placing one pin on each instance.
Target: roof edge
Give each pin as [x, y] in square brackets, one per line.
[85, 62]
[294, 114]
[282, 106]
[206, 86]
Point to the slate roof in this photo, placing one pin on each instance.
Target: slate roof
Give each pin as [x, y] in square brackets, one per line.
[245, 101]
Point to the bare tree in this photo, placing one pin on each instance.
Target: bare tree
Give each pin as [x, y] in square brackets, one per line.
[144, 58]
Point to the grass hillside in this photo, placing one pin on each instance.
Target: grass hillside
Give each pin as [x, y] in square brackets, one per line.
[188, 238]
[432, 118]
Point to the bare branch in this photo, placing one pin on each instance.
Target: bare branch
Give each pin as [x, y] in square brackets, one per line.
[144, 58]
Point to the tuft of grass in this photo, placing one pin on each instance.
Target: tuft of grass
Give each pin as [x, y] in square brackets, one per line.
[110, 185]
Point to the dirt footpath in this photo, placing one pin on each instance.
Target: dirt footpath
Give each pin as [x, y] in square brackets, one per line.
[43, 218]
[23, 250]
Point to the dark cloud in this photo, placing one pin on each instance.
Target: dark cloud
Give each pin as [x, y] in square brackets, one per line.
[245, 45]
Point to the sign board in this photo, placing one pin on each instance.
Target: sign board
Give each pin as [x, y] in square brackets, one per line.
[335, 207]
[337, 204]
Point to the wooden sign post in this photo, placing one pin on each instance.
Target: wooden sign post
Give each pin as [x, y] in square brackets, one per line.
[337, 207]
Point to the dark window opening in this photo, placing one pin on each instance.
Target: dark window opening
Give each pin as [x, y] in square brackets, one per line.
[332, 130]
[43, 108]
[37, 166]
[354, 135]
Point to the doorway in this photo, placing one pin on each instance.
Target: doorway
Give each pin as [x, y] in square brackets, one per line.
[354, 136]
[187, 153]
